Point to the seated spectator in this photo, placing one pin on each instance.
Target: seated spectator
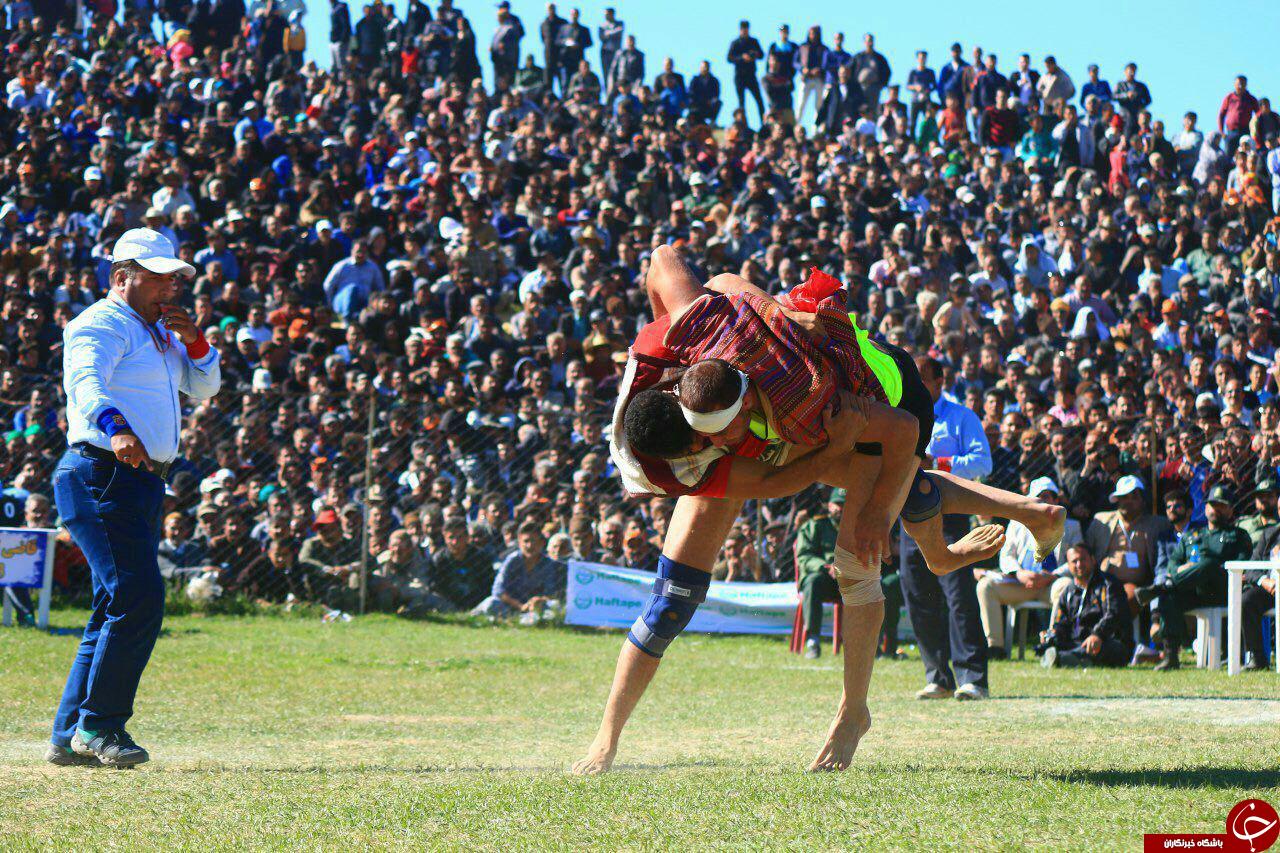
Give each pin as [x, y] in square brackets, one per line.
[461, 574]
[528, 581]
[1135, 538]
[1020, 578]
[181, 553]
[1196, 577]
[815, 553]
[1093, 627]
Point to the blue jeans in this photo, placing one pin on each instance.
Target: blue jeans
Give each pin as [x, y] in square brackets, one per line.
[113, 514]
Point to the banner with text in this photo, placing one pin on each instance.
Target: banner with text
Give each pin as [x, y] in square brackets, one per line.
[22, 554]
[607, 597]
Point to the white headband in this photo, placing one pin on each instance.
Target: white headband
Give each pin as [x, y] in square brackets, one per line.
[714, 422]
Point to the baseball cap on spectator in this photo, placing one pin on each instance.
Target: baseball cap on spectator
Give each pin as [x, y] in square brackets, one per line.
[249, 106]
[1221, 494]
[151, 250]
[215, 481]
[1126, 485]
[323, 517]
[818, 201]
[1264, 486]
[837, 496]
[1168, 306]
[1040, 485]
[93, 173]
[324, 225]
[1206, 400]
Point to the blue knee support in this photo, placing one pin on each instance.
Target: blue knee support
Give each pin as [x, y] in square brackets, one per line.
[676, 595]
[924, 500]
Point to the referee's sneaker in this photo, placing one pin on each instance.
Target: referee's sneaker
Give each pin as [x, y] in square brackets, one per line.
[125, 358]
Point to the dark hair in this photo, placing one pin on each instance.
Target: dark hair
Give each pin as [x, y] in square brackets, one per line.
[655, 426]
[712, 382]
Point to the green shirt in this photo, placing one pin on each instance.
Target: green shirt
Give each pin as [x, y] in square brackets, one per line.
[1204, 551]
[815, 546]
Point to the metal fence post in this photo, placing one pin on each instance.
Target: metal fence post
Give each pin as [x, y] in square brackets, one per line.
[1155, 473]
[364, 514]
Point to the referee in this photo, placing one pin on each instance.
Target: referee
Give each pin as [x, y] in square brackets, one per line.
[125, 358]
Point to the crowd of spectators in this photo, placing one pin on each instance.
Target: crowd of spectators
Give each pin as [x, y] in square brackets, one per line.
[423, 286]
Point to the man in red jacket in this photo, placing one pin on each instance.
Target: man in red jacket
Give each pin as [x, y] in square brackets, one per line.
[1235, 114]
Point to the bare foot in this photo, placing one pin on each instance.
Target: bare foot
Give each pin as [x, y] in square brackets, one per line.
[597, 761]
[1047, 528]
[842, 741]
[976, 545]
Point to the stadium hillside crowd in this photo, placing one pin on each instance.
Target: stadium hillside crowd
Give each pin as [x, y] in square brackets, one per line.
[391, 242]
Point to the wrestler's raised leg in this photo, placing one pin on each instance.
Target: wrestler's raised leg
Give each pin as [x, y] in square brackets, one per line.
[670, 283]
[695, 534]
[1047, 522]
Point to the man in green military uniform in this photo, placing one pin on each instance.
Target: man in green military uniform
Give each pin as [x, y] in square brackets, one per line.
[1264, 506]
[1197, 577]
[815, 556]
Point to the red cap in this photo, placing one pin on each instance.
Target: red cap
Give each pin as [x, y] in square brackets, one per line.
[1169, 305]
[325, 516]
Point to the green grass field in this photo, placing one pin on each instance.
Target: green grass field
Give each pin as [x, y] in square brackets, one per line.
[285, 732]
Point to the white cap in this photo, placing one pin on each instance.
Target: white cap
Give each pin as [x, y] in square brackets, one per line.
[1126, 485]
[261, 379]
[152, 250]
[93, 173]
[1040, 485]
[245, 334]
[324, 225]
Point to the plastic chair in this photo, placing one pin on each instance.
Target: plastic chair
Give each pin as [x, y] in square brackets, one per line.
[799, 636]
[1019, 615]
[1208, 635]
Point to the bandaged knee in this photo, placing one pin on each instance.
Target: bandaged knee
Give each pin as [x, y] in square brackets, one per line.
[676, 595]
[858, 582]
[924, 499]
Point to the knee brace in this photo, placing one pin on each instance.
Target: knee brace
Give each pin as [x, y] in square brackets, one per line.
[924, 499]
[676, 595]
[858, 582]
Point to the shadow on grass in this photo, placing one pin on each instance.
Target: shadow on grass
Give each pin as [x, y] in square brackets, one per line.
[1102, 697]
[1183, 777]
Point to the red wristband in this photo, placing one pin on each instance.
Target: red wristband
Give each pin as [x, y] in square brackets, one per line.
[198, 348]
[944, 464]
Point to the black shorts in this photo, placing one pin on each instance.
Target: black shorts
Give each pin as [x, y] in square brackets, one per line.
[915, 399]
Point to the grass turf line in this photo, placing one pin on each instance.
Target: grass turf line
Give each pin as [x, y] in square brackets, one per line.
[280, 732]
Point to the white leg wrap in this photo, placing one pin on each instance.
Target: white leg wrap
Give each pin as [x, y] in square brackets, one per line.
[858, 582]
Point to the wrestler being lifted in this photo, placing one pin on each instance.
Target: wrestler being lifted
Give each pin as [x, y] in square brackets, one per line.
[763, 374]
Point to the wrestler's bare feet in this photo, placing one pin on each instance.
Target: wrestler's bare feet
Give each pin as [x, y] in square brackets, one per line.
[842, 741]
[598, 760]
[1047, 526]
[974, 547]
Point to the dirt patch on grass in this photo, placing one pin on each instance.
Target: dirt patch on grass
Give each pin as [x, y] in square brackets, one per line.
[1221, 712]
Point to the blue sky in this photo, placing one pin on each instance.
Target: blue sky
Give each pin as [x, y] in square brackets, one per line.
[1187, 51]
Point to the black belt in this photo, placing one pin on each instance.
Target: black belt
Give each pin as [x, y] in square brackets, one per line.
[160, 469]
